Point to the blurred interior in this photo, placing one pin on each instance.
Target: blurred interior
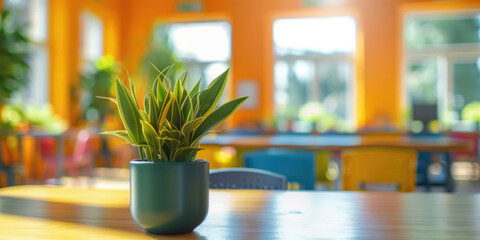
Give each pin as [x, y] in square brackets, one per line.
[375, 68]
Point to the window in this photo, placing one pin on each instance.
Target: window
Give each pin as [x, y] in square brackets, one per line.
[442, 68]
[203, 48]
[91, 37]
[314, 73]
[32, 14]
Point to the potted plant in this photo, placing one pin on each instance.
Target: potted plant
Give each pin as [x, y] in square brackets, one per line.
[168, 186]
[13, 57]
[97, 80]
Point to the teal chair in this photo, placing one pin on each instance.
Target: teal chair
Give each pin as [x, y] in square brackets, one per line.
[297, 165]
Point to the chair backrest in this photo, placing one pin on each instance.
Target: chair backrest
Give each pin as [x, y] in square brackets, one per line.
[47, 147]
[473, 144]
[83, 146]
[246, 178]
[297, 165]
[363, 168]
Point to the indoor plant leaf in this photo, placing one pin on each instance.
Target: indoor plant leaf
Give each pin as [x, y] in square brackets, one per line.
[218, 116]
[195, 88]
[129, 112]
[119, 133]
[185, 154]
[151, 138]
[209, 97]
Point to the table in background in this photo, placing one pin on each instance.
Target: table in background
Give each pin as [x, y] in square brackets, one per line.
[339, 142]
[335, 142]
[41, 212]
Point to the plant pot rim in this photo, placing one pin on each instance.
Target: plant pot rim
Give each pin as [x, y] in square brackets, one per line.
[196, 161]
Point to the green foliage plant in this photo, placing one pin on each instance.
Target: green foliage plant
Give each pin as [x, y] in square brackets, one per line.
[161, 54]
[174, 120]
[98, 80]
[13, 57]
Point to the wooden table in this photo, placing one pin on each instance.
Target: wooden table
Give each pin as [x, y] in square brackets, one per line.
[40, 212]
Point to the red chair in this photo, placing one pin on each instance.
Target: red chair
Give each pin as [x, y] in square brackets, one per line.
[470, 154]
[82, 157]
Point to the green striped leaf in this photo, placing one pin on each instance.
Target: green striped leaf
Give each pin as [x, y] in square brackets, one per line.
[187, 109]
[143, 115]
[119, 133]
[178, 91]
[108, 98]
[175, 116]
[146, 102]
[218, 116]
[189, 128]
[161, 90]
[209, 96]
[129, 113]
[186, 154]
[151, 138]
[154, 111]
[183, 78]
[132, 90]
[195, 88]
[155, 85]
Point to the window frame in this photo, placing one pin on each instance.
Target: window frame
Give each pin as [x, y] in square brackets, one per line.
[202, 18]
[355, 89]
[84, 60]
[446, 54]
[29, 94]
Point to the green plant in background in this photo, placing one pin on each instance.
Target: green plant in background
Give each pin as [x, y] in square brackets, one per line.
[160, 54]
[13, 57]
[98, 80]
[312, 112]
[315, 113]
[42, 117]
[471, 112]
[173, 120]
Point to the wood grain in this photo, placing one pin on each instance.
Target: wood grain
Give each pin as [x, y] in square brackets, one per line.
[245, 214]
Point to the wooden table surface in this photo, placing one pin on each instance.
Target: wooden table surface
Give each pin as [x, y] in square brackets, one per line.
[336, 142]
[40, 212]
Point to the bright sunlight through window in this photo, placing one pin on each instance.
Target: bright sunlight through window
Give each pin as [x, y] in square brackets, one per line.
[314, 73]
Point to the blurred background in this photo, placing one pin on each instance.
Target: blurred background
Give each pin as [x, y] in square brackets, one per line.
[310, 67]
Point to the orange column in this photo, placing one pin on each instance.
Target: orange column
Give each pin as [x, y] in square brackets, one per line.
[112, 25]
[63, 45]
[381, 78]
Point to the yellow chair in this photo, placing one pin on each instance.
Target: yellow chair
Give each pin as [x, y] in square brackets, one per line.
[218, 156]
[364, 168]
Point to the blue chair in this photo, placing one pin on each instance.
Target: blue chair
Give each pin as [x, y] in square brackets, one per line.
[424, 160]
[297, 165]
[246, 178]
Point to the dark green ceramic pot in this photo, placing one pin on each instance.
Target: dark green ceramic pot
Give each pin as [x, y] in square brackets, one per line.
[169, 197]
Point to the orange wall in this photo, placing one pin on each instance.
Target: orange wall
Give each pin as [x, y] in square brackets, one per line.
[377, 84]
[64, 45]
[63, 38]
[128, 25]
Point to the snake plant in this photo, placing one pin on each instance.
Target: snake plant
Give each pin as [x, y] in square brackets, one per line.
[174, 120]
